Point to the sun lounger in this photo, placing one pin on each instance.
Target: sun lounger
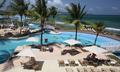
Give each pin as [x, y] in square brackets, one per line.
[87, 69]
[82, 63]
[69, 70]
[117, 64]
[66, 62]
[71, 62]
[114, 70]
[97, 70]
[80, 69]
[76, 62]
[61, 63]
[105, 70]
[92, 69]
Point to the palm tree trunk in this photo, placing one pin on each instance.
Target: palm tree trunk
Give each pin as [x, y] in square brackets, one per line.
[76, 32]
[21, 19]
[41, 34]
[54, 21]
[21, 22]
[96, 38]
[25, 20]
[42, 26]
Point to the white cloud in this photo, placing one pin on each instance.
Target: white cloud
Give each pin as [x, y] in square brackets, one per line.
[57, 3]
[91, 9]
[114, 8]
[67, 5]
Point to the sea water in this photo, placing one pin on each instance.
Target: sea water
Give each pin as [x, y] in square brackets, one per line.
[112, 22]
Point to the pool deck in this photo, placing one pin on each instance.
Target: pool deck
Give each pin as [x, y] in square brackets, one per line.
[51, 61]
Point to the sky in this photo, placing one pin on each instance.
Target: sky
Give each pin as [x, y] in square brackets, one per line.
[103, 7]
[106, 7]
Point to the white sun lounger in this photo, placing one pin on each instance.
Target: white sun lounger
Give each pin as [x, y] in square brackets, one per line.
[69, 70]
[76, 62]
[66, 62]
[114, 70]
[80, 69]
[105, 70]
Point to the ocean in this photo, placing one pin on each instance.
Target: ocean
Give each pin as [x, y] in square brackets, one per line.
[112, 22]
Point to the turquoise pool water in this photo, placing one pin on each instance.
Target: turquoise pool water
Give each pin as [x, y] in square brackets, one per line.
[34, 26]
[9, 45]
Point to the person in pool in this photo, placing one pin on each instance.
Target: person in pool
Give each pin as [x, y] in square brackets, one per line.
[46, 40]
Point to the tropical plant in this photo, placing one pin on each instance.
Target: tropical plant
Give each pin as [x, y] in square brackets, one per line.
[20, 7]
[76, 13]
[53, 12]
[41, 13]
[2, 3]
[99, 28]
[7, 13]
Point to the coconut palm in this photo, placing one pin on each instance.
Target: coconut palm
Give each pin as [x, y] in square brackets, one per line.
[53, 12]
[99, 28]
[41, 13]
[2, 3]
[76, 13]
[20, 7]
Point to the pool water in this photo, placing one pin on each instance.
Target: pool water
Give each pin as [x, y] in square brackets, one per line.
[34, 26]
[117, 53]
[9, 45]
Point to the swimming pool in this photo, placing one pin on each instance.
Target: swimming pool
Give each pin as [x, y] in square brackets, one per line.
[34, 26]
[86, 39]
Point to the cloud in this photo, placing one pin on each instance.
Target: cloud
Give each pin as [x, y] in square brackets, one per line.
[91, 9]
[57, 3]
[67, 5]
[114, 8]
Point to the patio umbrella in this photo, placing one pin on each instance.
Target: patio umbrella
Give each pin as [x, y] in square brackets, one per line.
[27, 52]
[72, 42]
[32, 39]
[95, 49]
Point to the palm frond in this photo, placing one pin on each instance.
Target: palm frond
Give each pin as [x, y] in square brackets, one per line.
[76, 11]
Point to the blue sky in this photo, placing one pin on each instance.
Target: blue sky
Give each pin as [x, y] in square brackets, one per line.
[109, 7]
[92, 6]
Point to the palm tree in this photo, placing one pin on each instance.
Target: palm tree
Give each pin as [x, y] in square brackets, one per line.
[98, 27]
[76, 13]
[20, 7]
[2, 3]
[41, 13]
[53, 12]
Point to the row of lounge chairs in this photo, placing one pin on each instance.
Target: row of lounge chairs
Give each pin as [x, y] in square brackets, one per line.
[63, 63]
[68, 62]
[90, 69]
[92, 60]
